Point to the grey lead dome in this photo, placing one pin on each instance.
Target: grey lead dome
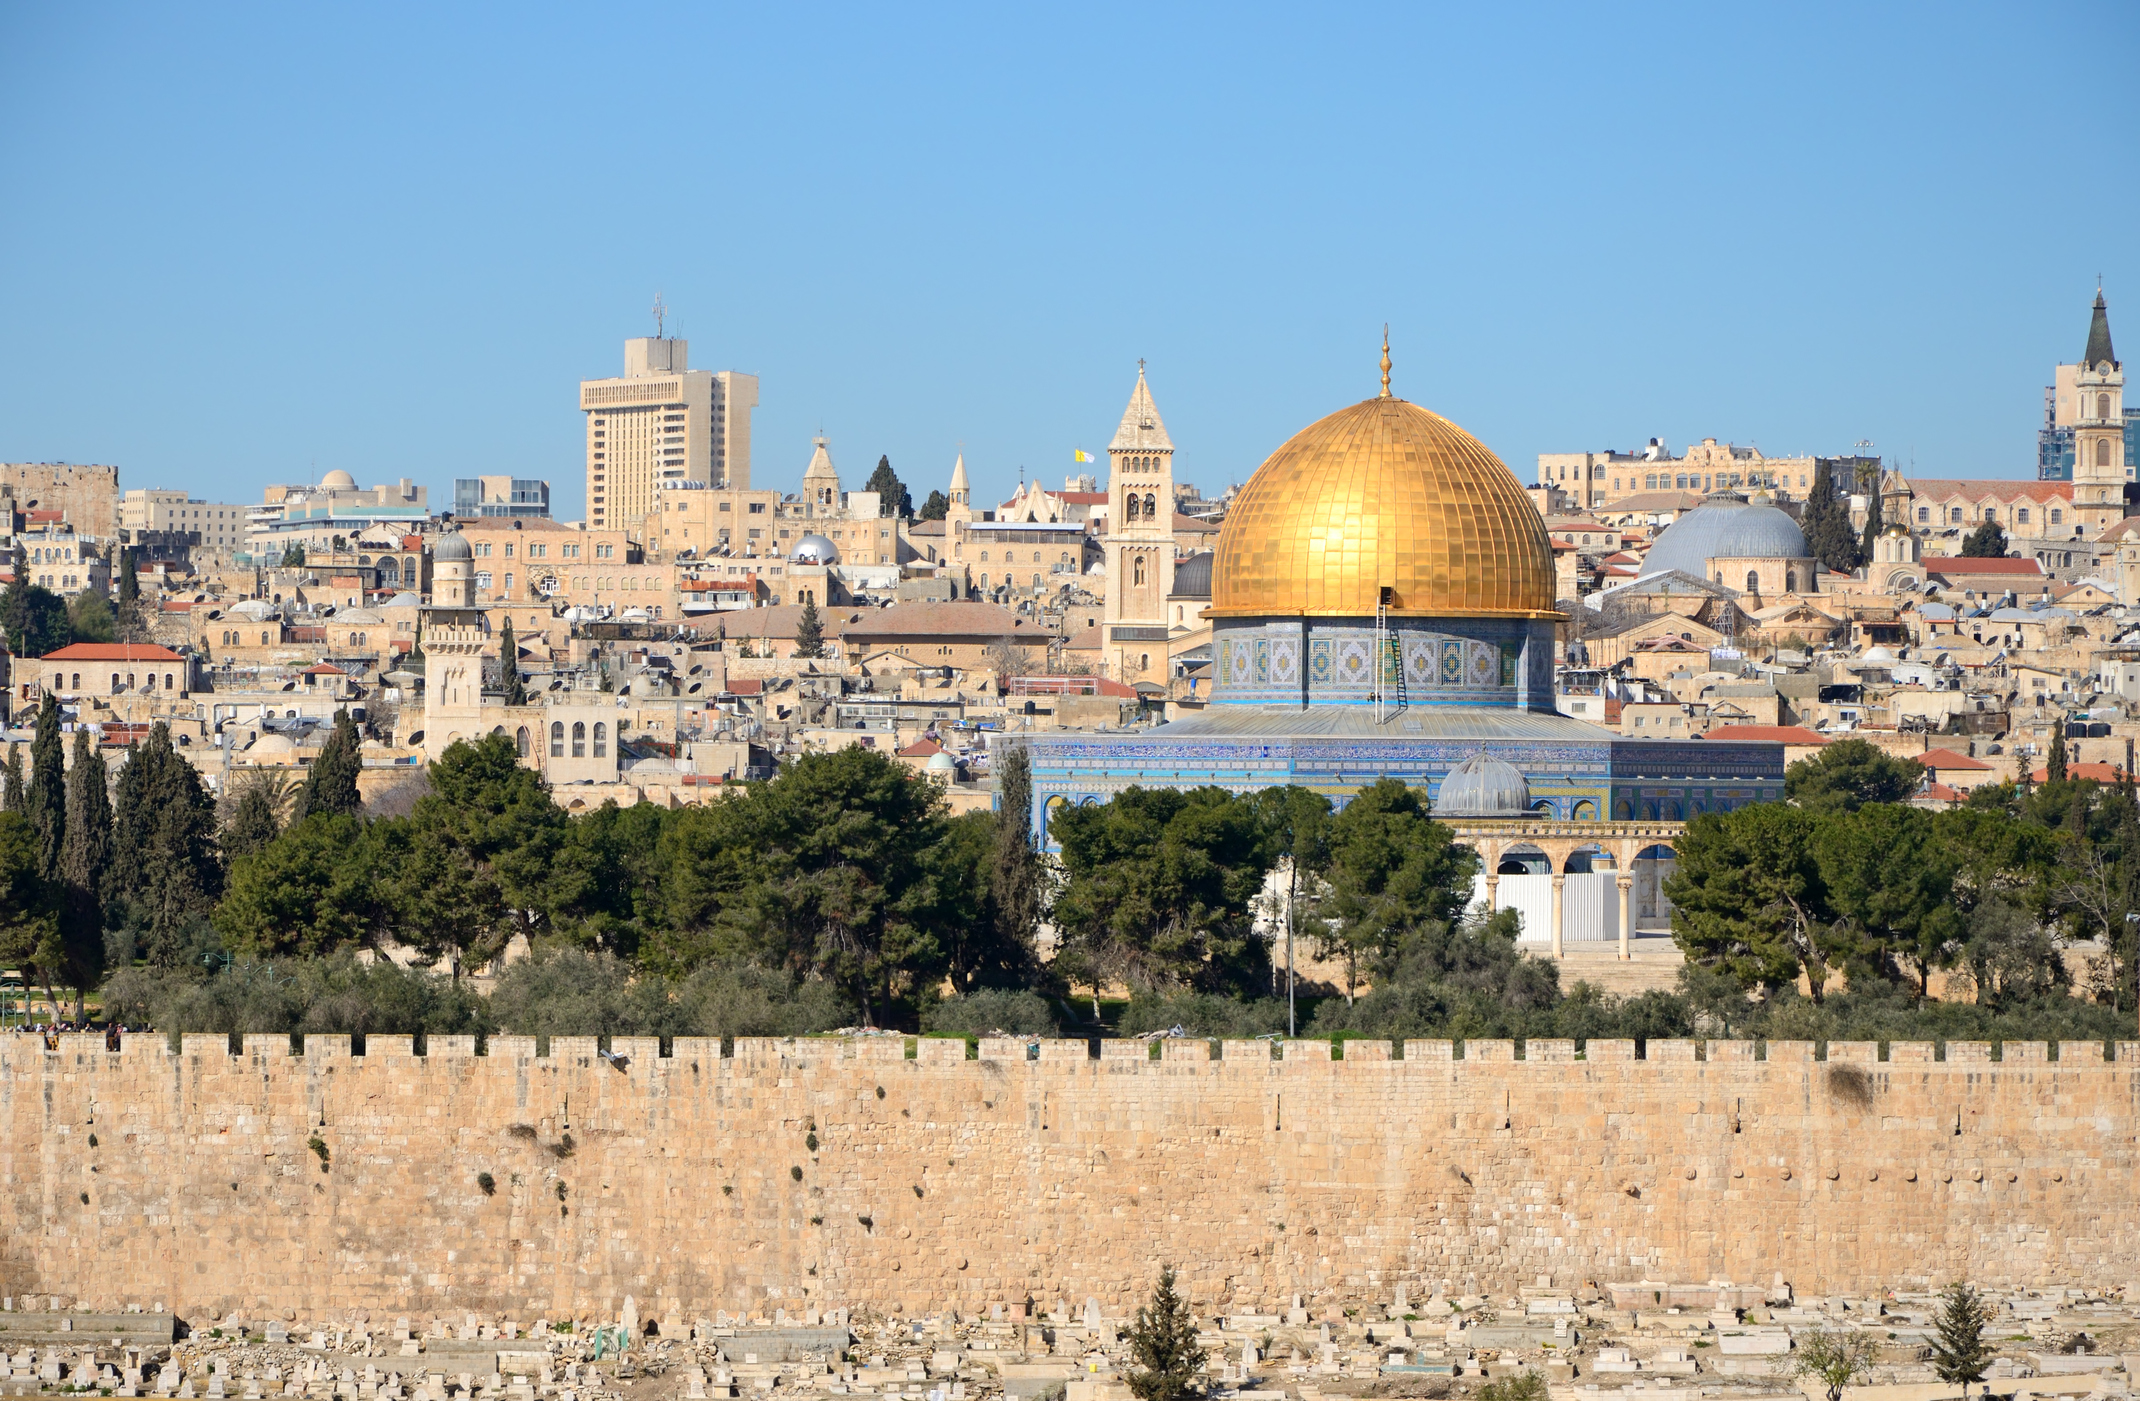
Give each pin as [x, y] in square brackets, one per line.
[1724, 528]
[452, 546]
[1483, 786]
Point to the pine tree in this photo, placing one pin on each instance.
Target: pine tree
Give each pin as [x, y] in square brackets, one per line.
[1014, 889]
[15, 797]
[936, 507]
[1960, 1353]
[516, 691]
[47, 799]
[331, 786]
[809, 632]
[2055, 770]
[84, 861]
[892, 496]
[1827, 524]
[1163, 1342]
[1987, 541]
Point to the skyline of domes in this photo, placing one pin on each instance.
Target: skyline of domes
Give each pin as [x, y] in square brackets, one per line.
[1382, 494]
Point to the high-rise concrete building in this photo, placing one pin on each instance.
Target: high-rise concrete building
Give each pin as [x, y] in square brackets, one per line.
[662, 422]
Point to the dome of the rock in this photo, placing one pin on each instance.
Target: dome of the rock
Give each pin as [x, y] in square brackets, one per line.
[1384, 494]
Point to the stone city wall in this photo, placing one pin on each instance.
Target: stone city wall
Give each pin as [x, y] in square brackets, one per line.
[841, 1172]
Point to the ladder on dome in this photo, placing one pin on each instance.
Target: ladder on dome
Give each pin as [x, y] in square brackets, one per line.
[1389, 659]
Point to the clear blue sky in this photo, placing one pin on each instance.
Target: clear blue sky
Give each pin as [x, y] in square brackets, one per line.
[250, 244]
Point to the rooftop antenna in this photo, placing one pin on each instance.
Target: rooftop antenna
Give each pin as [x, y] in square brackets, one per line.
[660, 314]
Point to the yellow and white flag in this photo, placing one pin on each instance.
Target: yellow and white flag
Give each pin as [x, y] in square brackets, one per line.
[1080, 455]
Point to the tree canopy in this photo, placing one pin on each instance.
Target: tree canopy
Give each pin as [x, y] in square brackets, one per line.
[1987, 541]
[1847, 774]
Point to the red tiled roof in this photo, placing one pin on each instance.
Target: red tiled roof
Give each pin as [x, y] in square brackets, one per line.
[741, 687]
[1945, 794]
[921, 749]
[1780, 734]
[1979, 489]
[1937, 759]
[112, 652]
[1956, 564]
[2101, 773]
[180, 605]
[325, 669]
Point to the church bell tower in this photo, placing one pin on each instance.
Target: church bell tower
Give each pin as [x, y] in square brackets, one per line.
[1139, 545]
[2100, 471]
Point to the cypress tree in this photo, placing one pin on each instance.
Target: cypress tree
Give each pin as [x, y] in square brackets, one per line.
[1015, 887]
[163, 863]
[14, 797]
[516, 693]
[83, 863]
[1873, 523]
[2055, 770]
[47, 799]
[331, 787]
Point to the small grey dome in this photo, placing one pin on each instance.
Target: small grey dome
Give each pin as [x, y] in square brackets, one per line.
[1724, 527]
[1192, 577]
[814, 549]
[1483, 787]
[942, 762]
[452, 546]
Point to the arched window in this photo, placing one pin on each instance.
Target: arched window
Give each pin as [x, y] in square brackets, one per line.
[2102, 406]
[984, 581]
[1036, 581]
[1954, 515]
[263, 639]
[1790, 581]
[115, 683]
[1144, 661]
[1753, 582]
[520, 741]
[77, 682]
[2102, 452]
[1036, 556]
[557, 739]
[601, 740]
[579, 739]
[984, 556]
[130, 683]
[1137, 569]
[1151, 507]
[1132, 507]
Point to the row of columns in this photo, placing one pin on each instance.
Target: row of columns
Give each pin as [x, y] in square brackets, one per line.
[1626, 883]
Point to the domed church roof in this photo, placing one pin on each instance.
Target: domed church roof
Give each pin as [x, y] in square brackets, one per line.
[1725, 527]
[452, 546]
[1384, 494]
[1483, 786]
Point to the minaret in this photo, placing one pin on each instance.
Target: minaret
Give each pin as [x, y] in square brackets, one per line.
[1139, 545]
[821, 482]
[2100, 471]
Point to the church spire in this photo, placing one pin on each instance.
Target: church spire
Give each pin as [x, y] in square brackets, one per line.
[1141, 429]
[2099, 351]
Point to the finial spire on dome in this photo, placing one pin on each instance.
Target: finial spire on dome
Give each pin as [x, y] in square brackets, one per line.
[1385, 359]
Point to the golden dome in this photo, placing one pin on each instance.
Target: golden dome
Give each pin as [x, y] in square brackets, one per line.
[1383, 494]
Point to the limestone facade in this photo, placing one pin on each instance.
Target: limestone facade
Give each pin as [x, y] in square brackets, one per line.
[842, 1172]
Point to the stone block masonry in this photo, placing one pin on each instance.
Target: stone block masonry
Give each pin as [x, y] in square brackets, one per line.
[792, 1174]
